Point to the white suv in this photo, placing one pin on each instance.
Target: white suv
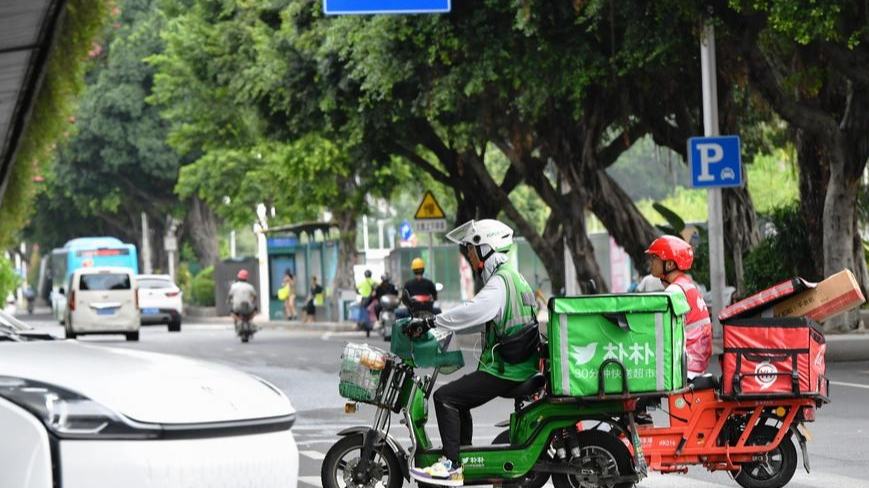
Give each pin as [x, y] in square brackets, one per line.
[102, 301]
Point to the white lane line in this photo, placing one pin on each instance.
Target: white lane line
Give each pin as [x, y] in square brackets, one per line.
[819, 478]
[311, 480]
[315, 455]
[852, 385]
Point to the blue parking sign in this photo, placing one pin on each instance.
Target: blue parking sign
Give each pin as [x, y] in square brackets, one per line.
[716, 162]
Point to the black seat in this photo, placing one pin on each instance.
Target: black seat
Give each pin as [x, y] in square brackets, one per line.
[705, 382]
[529, 387]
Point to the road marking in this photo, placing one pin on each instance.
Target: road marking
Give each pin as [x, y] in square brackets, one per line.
[311, 480]
[852, 385]
[315, 455]
[820, 478]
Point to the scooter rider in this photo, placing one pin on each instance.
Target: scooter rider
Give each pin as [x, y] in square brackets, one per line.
[242, 297]
[419, 284]
[500, 309]
[670, 258]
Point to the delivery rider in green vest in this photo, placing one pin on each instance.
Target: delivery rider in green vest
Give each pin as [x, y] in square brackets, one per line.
[501, 308]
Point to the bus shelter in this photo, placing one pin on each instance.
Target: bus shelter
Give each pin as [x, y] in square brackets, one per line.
[305, 250]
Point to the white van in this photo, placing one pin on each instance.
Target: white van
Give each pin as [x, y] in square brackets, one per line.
[102, 301]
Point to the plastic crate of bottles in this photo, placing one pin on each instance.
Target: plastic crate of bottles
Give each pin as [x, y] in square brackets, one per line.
[361, 366]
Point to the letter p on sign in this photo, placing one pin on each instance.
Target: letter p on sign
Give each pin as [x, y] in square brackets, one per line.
[715, 161]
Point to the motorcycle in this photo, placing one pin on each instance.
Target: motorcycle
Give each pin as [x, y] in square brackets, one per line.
[541, 440]
[388, 305]
[243, 321]
[752, 439]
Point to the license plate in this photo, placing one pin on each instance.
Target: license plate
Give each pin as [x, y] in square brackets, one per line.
[106, 311]
[150, 311]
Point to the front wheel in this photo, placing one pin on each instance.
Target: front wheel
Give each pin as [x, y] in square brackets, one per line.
[602, 455]
[340, 466]
[775, 468]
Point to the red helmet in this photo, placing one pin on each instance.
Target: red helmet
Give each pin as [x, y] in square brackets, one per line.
[671, 248]
[242, 275]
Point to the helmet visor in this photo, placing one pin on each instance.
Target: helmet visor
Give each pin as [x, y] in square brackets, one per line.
[459, 234]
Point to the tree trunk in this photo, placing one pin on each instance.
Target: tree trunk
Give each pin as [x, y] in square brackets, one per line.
[550, 251]
[202, 228]
[814, 174]
[346, 220]
[838, 237]
[622, 219]
[740, 229]
[579, 245]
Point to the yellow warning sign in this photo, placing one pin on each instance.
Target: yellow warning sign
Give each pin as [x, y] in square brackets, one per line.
[429, 208]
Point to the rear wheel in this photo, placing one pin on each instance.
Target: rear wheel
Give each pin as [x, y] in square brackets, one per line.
[132, 336]
[532, 479]
[602, 455]
[775, 468]
[175, 325]
[341, 466]
[68, 329]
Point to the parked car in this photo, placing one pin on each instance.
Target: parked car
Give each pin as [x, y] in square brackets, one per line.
[160, 301]
[102, 301]
[85, 416]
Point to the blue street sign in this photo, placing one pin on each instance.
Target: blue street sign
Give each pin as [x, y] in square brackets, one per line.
[405, 230]
[716, 162]
[358, 7]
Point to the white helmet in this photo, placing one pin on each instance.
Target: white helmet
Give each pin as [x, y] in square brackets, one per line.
[487, 232]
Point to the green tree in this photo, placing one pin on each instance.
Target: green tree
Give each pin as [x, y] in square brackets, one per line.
[117, 163]
[808, 59]
[63, 81]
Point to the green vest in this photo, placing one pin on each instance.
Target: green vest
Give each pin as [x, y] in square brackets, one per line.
[518, 311]
[365, 287]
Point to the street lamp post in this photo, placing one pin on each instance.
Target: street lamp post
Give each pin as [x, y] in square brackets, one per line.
[716, 217]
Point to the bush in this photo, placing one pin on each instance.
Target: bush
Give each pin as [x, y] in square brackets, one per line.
[184, 279]
[781, 256]
[9, 279]
[203, 288]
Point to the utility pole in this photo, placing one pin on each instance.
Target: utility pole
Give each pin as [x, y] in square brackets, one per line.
[146, 245]
[232, 252]
[716, 213]
[170, 244]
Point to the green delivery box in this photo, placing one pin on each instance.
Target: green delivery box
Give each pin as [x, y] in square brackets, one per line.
[644, 332]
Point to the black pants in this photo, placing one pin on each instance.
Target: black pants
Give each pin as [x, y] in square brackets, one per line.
[453, 404]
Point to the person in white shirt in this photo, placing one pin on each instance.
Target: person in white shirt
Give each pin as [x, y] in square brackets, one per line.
[502, 308]
[242, 297]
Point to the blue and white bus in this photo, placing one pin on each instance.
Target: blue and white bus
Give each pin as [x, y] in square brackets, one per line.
[85, 252]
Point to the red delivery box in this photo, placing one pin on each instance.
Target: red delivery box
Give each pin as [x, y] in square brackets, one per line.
[774, 357]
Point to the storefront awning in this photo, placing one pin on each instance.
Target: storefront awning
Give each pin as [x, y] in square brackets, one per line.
[27, 28]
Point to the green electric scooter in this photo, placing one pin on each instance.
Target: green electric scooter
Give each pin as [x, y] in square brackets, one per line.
[542, 439]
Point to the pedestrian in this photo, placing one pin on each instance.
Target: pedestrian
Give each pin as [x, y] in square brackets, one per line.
[310, 305]
[365, 288]
[289, 283]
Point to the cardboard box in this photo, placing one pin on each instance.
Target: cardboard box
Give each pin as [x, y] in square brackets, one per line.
[835, 295]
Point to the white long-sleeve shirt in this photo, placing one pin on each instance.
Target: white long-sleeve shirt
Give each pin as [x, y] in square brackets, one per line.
[488, 304]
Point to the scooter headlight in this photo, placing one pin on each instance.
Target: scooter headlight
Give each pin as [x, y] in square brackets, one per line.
[69, 415]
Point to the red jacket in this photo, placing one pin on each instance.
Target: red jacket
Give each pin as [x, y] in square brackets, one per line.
[698, 326]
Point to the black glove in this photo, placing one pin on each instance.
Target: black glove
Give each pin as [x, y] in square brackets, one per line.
[418, 327]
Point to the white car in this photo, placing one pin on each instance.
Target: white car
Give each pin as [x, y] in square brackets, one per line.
[102, 301]
[160, 301]
[81, 416]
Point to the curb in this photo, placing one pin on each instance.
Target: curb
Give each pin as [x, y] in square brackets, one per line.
[315, 326]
